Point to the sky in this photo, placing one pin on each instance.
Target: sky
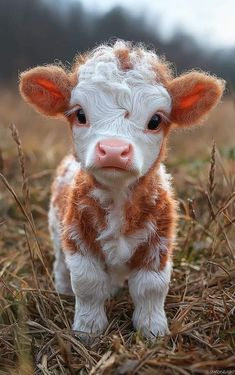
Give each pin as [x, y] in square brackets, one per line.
[210, 21]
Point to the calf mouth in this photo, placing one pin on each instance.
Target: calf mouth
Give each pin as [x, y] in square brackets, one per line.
[115, 173]
[112, 168]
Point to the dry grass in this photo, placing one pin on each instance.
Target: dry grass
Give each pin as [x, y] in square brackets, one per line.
[35, 334]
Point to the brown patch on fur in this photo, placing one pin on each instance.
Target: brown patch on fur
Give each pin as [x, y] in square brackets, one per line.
[83, 215]
[47, 88]
[123, 55]
[160, 213]
[194, 95]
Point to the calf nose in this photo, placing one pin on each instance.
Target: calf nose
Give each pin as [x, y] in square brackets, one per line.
[115, 153]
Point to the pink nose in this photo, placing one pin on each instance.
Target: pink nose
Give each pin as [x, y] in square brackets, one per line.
[114, 153]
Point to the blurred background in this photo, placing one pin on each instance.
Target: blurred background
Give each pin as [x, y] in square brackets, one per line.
[191, 34]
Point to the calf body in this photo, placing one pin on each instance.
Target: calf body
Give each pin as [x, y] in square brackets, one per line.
[112, 214]
[109, 235]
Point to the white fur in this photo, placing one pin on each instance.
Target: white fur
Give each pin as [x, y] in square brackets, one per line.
[148, 290]
[106, 93]
[91, 286]
[118, 104]
[61, 272]
[72, 167]
[117, 247]
[164, 178]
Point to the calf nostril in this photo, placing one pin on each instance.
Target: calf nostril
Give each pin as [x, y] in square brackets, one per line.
[125, 152]
[101, 149]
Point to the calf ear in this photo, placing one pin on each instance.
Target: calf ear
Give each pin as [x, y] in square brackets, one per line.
[193, 96]
[47, 89]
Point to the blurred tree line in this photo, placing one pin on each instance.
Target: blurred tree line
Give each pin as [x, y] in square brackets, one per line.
[37, 32]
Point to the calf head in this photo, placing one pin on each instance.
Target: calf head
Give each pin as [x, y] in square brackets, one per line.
[121, 101]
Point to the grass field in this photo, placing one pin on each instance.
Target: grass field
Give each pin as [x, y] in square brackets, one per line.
[35, 333]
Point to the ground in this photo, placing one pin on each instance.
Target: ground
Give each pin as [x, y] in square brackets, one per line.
[35, 322]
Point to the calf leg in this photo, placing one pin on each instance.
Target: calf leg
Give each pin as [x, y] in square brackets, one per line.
[90, 284]
[61, 271]
[148, 290]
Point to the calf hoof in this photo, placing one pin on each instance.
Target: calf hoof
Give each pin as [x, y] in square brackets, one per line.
[87, 328]
[151, 328]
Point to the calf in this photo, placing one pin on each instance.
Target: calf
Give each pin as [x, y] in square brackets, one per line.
[113, 213]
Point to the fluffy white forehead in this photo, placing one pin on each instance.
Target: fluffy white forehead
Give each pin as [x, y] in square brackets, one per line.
[102, 71]
[104, 66]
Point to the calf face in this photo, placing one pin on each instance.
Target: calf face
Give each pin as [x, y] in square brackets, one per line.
[119, 121]
[121, 103]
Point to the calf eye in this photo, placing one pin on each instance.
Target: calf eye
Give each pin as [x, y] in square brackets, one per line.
[81, 116]
[154, 122]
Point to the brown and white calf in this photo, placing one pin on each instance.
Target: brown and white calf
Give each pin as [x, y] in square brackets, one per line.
[113, 213]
